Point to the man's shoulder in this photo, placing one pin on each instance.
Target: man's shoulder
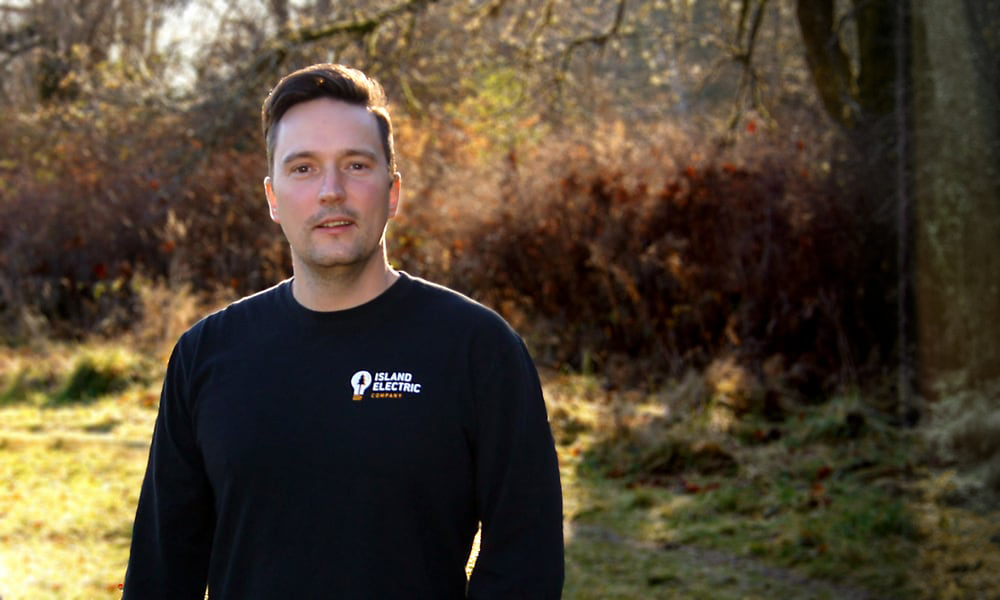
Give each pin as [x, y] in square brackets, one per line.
[457, 304]
[239, 313]
[435, 292]
[451, 312]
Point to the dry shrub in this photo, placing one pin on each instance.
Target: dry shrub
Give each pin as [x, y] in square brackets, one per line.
[71, 220]
[223, 236]
[734, 387]
[166, 312]
[642, 257]
[637, 253]
[100, 199]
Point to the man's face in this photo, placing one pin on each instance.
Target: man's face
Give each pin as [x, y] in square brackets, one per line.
[330, 188]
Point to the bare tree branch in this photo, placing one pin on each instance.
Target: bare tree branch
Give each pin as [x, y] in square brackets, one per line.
[247, 82]
[748, 85]
[596, 39]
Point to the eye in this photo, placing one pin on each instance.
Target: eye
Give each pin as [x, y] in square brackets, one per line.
[357, 165]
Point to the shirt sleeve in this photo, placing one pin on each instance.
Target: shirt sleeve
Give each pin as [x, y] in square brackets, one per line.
[174, 521]
[518, 493]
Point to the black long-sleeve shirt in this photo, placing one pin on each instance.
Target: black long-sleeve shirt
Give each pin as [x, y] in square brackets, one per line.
[349, 454]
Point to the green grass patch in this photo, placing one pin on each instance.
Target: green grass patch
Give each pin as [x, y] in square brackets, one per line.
[67, 518]
[23, 380]
[62, 375]
[822, 494]
[100, 372]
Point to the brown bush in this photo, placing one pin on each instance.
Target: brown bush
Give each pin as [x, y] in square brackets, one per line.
[639, 266]
[637, 256]
[96, 199]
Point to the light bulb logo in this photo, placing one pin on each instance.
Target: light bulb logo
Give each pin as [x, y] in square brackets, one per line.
[360, 382]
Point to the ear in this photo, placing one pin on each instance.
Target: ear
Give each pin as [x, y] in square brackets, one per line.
[395, 194]
[272, 200]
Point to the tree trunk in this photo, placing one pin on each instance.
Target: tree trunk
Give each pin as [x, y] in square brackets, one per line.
[827, 59]
[957, 188]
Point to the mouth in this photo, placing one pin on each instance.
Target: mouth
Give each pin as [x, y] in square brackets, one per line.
[334, 224]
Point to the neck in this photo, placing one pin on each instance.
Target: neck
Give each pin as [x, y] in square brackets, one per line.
[340, 288]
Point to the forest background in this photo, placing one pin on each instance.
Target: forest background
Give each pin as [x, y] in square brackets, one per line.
[732, 232]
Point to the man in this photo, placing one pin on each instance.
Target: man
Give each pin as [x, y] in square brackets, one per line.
[343, 434]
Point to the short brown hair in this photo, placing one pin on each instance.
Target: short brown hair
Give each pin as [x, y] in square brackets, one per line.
[327, 80]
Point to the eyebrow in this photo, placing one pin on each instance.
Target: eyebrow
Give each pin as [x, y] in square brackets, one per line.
[292, 157]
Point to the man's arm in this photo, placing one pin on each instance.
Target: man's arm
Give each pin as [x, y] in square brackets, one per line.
[517, 485]
[174, 522]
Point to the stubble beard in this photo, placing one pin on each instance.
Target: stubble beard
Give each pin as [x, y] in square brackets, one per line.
[339, 265]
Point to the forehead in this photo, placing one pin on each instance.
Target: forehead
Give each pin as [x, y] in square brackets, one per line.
[325, 124]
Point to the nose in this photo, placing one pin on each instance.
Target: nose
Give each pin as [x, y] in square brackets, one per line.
[331, 188]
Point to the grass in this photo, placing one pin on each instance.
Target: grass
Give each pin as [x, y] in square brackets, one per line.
[831, 502]
[67, 518]
[75, 423]
[663, 499]
[67, 375]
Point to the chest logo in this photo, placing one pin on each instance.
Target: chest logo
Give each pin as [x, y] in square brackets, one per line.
[383, 384]
[360, 382]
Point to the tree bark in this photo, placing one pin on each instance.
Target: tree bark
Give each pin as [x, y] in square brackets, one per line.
[957, 180]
